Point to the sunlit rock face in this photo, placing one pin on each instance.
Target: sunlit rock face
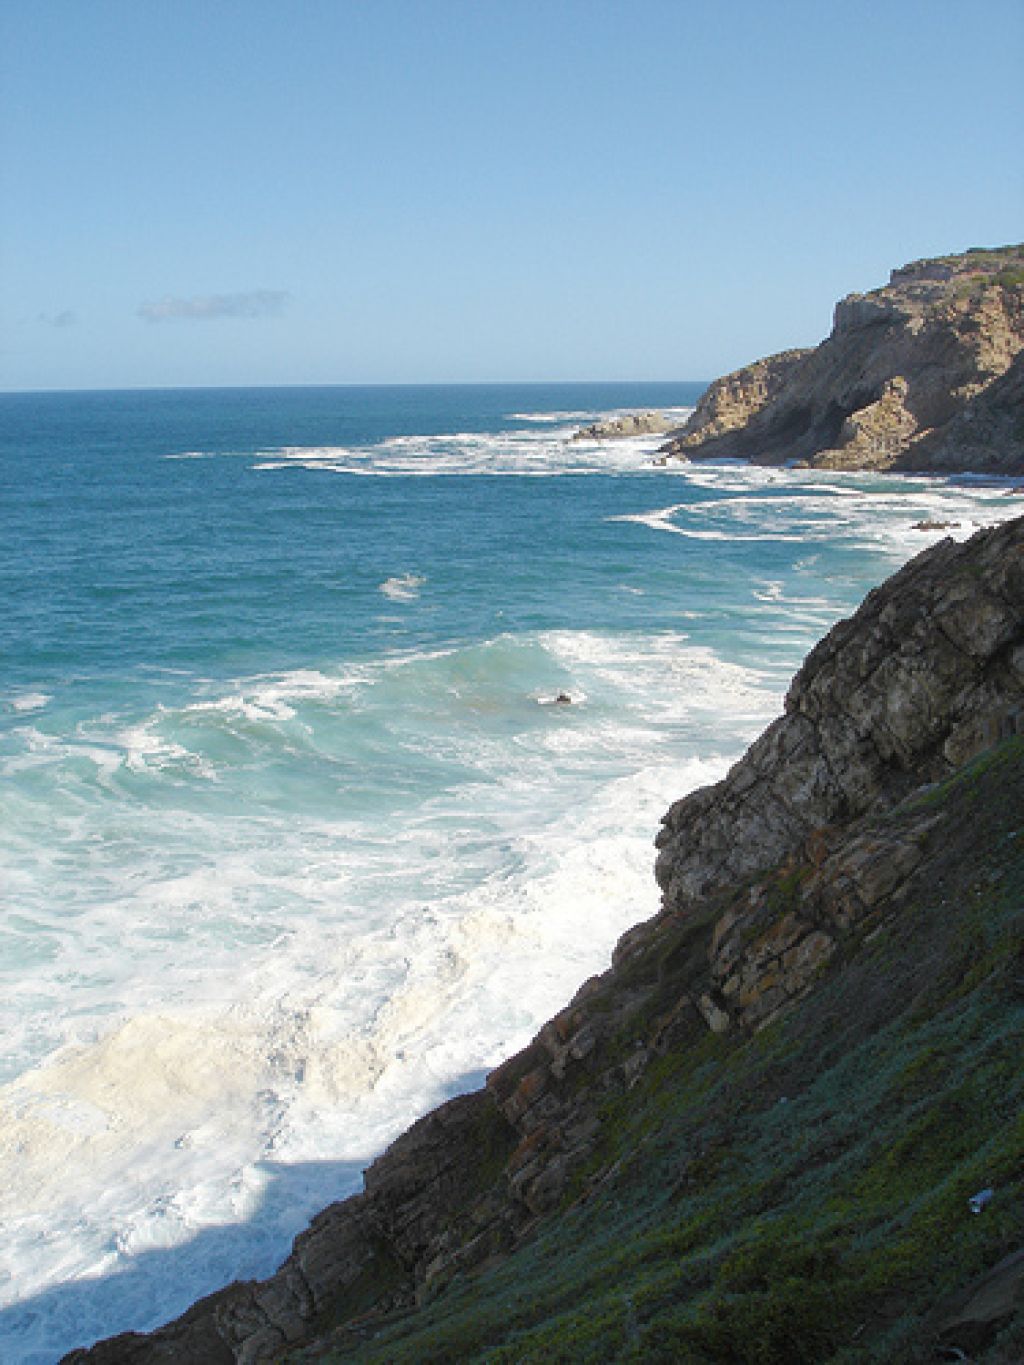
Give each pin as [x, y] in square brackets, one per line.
[922, 374]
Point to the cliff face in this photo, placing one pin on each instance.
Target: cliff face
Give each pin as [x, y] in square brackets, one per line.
[909, 688]
[730, 402]
[908, 379]
[852, 884]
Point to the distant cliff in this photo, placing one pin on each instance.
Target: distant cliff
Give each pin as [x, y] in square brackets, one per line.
[926, 373]
[756, 1136]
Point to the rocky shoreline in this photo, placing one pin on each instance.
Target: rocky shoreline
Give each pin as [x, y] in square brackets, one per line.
[771, 877]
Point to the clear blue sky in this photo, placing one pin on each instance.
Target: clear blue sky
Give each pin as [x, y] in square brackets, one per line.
[349, 191]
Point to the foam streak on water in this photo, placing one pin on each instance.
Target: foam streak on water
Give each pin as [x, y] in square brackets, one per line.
[296, 838]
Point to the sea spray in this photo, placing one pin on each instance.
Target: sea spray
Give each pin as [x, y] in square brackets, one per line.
[294, 841]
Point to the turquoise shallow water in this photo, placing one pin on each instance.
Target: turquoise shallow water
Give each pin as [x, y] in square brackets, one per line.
[293, 840]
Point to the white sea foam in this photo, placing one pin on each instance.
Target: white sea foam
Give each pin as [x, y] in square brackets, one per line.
[661, 520]
[299, 908]
[887, 513]
[548, 417]
[541, 450]
[23, 702]
[402, 587]
[770, 592]
[658, 520]
[292, 989]
[144, 749]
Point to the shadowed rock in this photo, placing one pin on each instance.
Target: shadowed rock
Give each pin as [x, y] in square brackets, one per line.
[912, 686]
[630, 424]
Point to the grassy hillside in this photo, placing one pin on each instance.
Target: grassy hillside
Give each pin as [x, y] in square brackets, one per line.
[799, 1194]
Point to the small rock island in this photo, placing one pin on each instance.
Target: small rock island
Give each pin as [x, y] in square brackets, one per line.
[629, 424]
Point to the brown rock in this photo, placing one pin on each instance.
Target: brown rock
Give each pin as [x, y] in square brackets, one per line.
[729, 403]
[900, 694]
[630, 424]
[926, 373]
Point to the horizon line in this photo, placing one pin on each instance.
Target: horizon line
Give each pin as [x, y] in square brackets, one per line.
[343, 384]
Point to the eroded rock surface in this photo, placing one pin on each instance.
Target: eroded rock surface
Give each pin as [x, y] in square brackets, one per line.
[916, 683]
[630, 424]
[918, 375]
[730, 402]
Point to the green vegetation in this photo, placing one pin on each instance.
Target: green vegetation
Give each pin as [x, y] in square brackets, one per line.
[1008, 277]
[985, 266]
[800, 1195]
[1012, 250]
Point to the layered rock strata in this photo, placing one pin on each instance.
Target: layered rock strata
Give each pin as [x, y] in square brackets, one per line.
[817, 836]
[910, 378]
[906, 690]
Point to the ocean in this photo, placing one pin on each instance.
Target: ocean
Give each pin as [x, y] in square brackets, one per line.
[296, 839]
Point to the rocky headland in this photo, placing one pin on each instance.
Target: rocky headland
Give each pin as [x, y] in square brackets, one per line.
[755, 1138]
[924, 374]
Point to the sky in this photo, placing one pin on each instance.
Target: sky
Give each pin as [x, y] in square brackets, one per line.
[251, 192]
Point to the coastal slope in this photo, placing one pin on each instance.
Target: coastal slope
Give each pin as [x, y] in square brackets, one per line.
[757, 1135]
[923, 374]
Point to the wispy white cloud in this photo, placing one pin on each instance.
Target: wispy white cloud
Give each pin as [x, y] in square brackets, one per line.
[257, 303]
[64, 319]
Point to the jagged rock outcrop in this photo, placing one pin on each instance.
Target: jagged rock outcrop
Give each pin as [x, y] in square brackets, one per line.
[817, 837]
[629, 424]
[730, 402]
[903, 692]
[911, 378]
